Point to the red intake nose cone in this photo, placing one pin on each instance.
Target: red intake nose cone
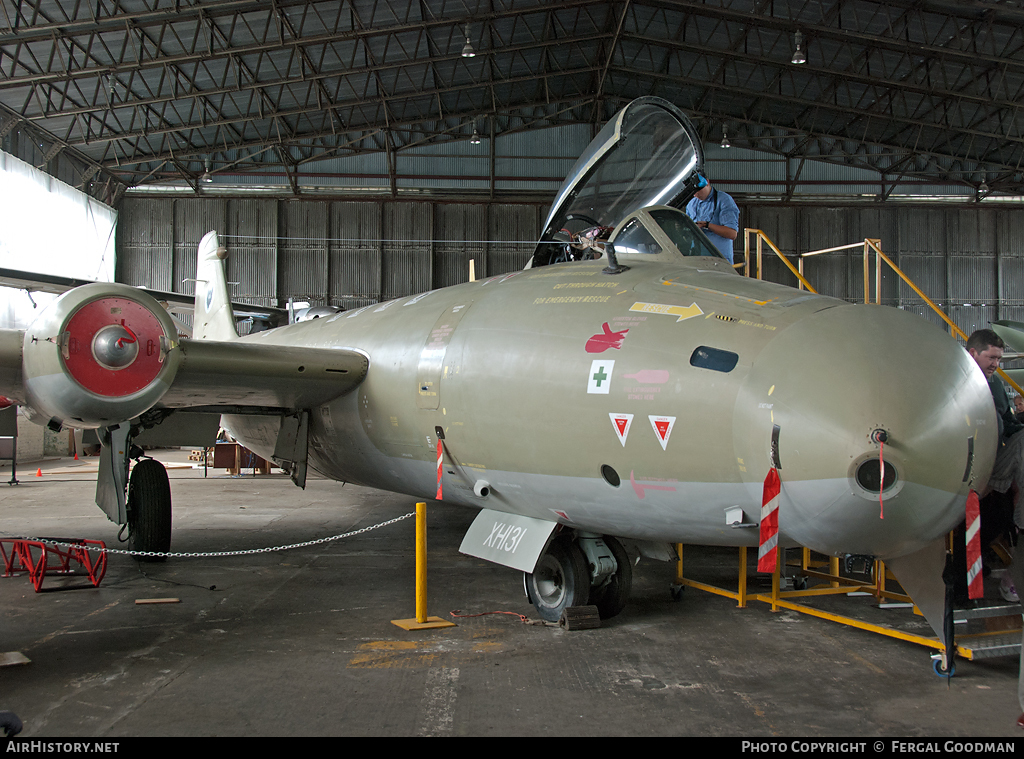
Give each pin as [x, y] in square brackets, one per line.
[111, 346]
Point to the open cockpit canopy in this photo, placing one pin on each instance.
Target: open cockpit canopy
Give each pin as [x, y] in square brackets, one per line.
[649, 154]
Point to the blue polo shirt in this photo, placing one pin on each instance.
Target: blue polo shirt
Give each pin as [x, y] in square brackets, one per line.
[719, 208]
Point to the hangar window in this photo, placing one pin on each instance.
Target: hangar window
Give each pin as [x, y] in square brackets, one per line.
[714, 359]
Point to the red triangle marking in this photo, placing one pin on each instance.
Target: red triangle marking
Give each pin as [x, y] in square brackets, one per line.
[662, 429]
[621, 424]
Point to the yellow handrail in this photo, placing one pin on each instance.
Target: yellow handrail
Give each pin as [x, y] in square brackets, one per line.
[869, 244]
[761, 236]
[867, 276]
[879, 255]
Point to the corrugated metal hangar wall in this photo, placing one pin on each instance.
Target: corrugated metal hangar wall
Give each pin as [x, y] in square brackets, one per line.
[969, 260]
[339, 253]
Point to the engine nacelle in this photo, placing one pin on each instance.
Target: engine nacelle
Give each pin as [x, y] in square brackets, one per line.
[100, 354]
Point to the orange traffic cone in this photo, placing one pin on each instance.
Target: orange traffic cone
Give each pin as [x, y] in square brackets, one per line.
[39, 472]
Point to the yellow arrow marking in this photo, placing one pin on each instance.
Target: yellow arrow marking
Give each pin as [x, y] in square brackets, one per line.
[683, 312]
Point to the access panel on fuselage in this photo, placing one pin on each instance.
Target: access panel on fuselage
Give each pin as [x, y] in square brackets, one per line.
[432, 364]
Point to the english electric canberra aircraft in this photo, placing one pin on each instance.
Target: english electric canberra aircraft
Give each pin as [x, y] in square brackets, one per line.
[627, 391]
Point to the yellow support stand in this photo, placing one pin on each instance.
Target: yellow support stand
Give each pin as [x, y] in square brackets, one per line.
[740, 596]
[831, 583]
[421, 621]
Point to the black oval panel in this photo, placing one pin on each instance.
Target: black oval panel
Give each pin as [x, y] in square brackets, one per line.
[610, 475]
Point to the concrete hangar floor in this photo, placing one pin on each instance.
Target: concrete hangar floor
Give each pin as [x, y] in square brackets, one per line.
[301, 642]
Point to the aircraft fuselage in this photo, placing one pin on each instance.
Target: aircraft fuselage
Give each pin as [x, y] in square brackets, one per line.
[648, 404]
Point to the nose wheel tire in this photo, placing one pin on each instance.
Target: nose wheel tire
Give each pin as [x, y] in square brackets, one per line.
[149, 509]
[559, 580]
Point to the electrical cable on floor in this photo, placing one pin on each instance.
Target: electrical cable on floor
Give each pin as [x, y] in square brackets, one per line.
[138, 565]
[522, 618]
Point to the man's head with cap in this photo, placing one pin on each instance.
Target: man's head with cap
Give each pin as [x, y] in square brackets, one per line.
[703, 188]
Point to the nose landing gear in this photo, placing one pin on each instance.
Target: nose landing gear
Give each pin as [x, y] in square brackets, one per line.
[149, 509]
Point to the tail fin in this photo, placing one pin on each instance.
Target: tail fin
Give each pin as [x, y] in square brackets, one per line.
[214, 318]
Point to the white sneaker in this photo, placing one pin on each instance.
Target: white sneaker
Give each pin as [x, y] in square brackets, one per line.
[1007, 590]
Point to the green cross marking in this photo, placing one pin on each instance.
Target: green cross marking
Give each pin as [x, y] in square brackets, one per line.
[600, 376]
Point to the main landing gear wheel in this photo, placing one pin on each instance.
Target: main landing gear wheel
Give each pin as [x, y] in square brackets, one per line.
[610, 599]
[559, 580]
[149, 509]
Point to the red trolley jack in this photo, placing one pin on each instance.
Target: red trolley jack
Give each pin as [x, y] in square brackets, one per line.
[37, 557]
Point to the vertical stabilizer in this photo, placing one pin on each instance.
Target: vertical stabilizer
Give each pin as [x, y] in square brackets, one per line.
[214, 319]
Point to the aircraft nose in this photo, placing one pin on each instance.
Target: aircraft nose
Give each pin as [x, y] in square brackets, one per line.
[852, 390]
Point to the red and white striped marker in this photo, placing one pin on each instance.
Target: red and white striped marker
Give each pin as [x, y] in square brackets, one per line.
[768, 550]
[440, 463]
[975, 579]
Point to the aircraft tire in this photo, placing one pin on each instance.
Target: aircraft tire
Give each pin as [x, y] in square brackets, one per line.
[611, 598]
[149, 509]
[941, 671]
[559, 580]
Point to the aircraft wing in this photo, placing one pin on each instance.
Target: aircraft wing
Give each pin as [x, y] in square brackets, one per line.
[209, 375]
[105, 353]
[1011, 332]
[109, 357]
[38, 283]
[235, 374]
[175, 302]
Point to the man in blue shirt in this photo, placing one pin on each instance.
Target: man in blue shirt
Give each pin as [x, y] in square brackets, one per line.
[717, 214]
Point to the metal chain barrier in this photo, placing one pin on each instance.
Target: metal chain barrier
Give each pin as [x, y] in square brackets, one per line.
[270, 549]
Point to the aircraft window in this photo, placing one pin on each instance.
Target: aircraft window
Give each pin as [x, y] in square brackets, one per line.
[634, 238]
[683, 233]
[714, 359]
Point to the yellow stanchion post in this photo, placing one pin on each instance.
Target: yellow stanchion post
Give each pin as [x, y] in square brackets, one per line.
[421, 620]
[742, 589]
